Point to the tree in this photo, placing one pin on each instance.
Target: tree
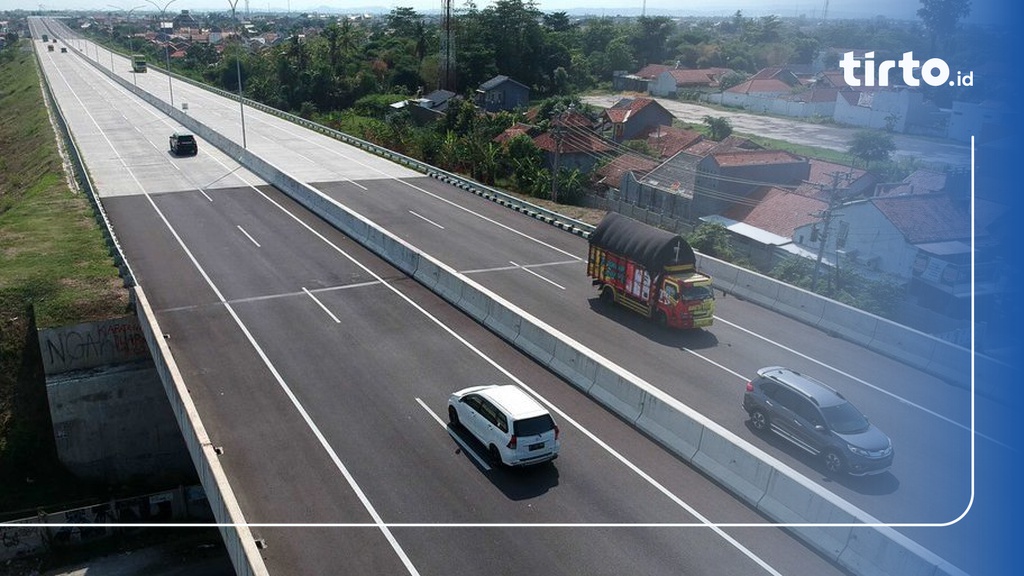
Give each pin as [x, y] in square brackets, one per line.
[712, 239]
[940, 17]
[649, 38]
[720, 127]
[871, 146]
[731, 79]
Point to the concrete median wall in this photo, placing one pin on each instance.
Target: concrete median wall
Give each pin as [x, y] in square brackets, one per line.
[779, 492]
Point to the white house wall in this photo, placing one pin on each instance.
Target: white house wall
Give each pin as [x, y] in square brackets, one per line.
[871, 234]
[772, 104]
[663, 85]
[905, 105]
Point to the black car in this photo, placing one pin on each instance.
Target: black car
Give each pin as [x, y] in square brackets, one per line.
[818, 419]
[183, 144]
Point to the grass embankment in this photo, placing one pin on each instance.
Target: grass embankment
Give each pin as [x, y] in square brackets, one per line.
[53, 259]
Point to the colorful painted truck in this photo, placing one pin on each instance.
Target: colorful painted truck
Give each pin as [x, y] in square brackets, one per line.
[650, 271]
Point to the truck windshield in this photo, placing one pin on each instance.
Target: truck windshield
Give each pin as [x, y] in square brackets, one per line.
[697, 293]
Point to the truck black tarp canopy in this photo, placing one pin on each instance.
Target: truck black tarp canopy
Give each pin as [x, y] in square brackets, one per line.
[652, 247]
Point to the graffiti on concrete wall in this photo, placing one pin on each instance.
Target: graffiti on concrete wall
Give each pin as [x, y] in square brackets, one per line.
[92, 344]
[33, 536]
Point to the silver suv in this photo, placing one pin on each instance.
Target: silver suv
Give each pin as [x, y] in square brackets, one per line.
[817, 419]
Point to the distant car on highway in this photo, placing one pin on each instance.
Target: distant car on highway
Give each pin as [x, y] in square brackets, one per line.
[818, 419]
[183, 144]
[513, 427]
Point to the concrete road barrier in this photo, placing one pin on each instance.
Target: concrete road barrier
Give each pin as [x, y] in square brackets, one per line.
[796, 500]
[722, 458]
[504, 322]
[618, 394]
[663, 419]
[882, 550]
[427, 273]
[756, 288]
[449, 286]
[802, 305]
[475, 302]
[536, 342]
[403, 257]
[573, 365]
[903, 343]
[852, 324]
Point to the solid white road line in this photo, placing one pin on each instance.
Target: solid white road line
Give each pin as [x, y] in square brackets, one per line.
[321, 304]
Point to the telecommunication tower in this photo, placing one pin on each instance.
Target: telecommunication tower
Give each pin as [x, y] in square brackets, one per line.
[447, 76]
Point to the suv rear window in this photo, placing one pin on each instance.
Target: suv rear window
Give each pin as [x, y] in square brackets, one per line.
[185, 139]
[534, 426]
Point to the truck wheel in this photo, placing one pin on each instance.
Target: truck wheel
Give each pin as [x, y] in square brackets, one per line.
[661, 319]
[607, 296]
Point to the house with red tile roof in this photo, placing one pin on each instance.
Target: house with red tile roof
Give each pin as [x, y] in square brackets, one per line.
[725, 178]
[779, 90]
[849, 182]
[920, 181]
[518, 129]
[638, 81]
[767, 223]
[578, 147]
[672, 81]
[630, 118]
[667, 141]
[777, 210]
[708, 183]
[773, 81]
[610, 175]
[923, 240]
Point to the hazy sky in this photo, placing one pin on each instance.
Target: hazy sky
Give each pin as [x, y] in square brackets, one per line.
[983, 9]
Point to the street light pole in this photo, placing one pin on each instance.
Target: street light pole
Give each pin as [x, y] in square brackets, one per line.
[167, 51]
[131, 37]
[238, 71]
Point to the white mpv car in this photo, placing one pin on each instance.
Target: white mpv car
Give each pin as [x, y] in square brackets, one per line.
[514, 428]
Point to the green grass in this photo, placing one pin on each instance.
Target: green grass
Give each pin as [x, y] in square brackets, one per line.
[55, 270]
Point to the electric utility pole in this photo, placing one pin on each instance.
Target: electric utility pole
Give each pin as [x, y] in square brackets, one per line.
[826, 217]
